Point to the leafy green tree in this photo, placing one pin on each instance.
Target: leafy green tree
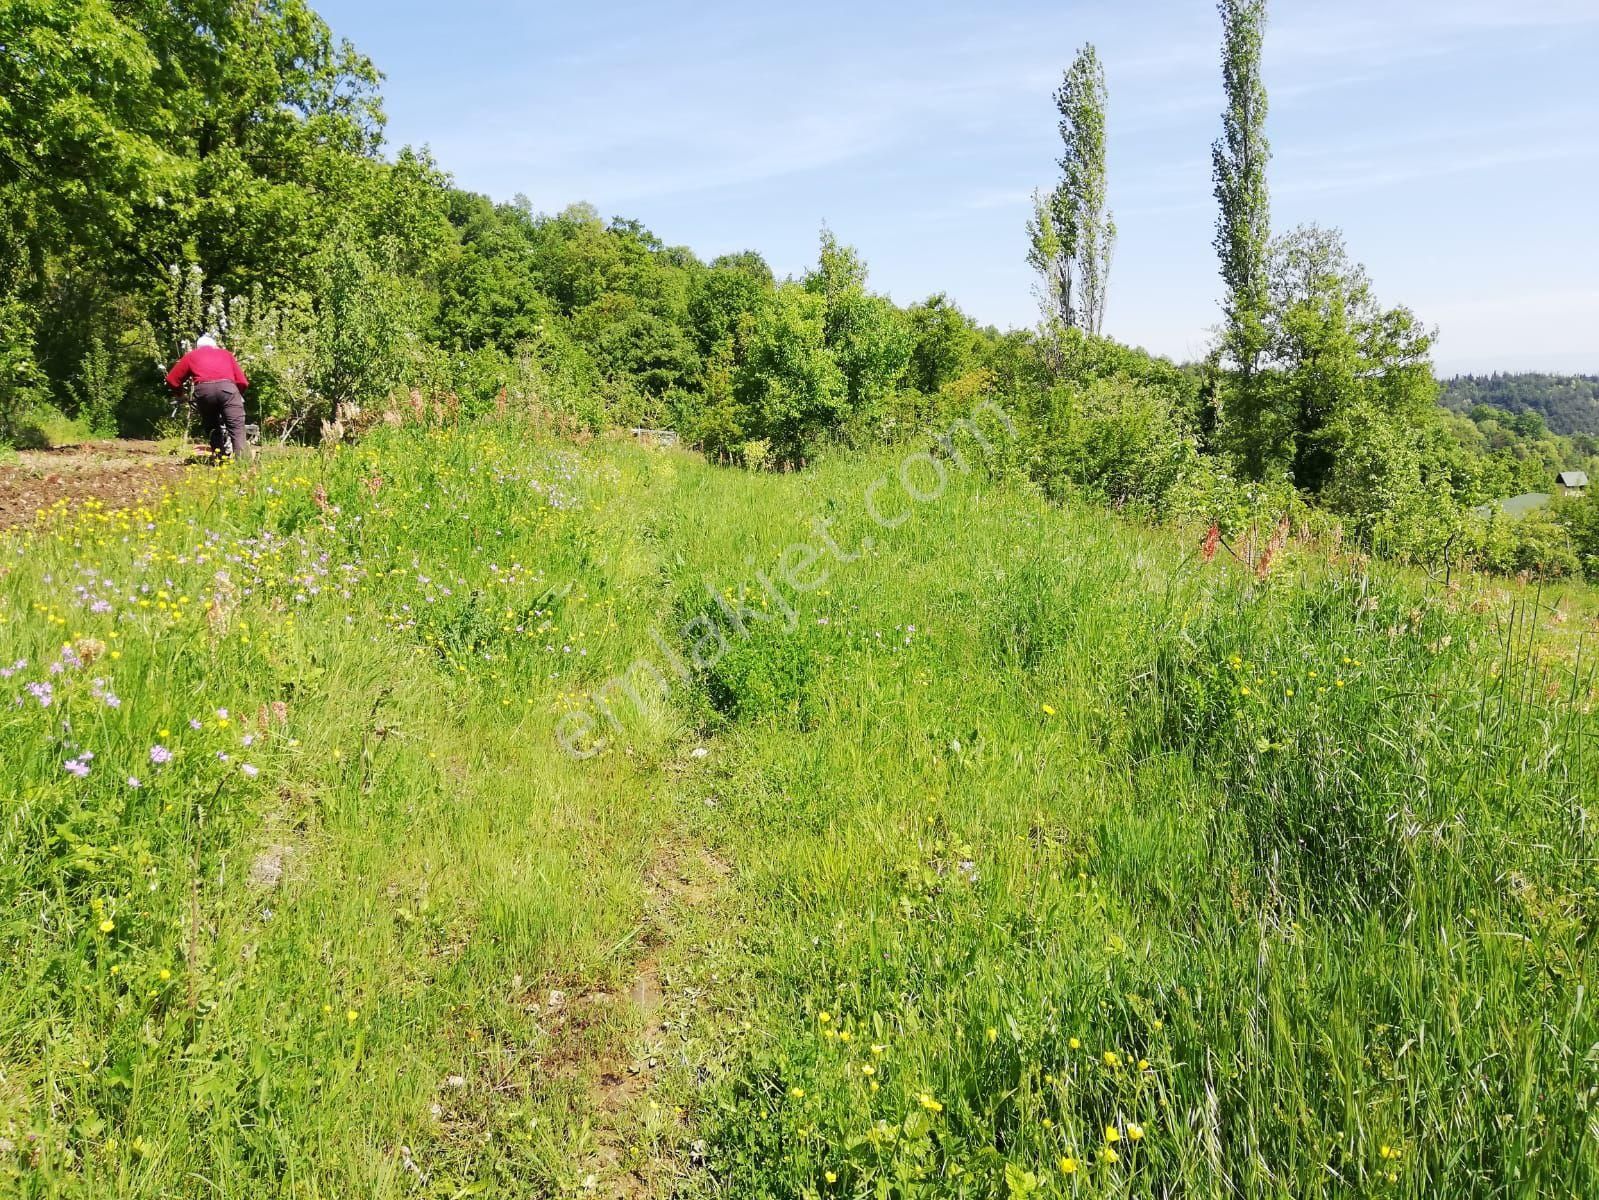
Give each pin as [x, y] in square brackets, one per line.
[1256, 432]
[715, 419]
[1580, 516]
[1340, 361]
[1072, 234]
[788, 384]
[864, 334]
[366, 332]
[654, 353]
[945, 345]
[719, 298]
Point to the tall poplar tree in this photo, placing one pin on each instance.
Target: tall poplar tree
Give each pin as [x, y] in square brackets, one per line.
[1072, 233]
[1243, 230]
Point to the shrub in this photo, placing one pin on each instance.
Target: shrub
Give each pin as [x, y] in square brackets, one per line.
[761, 673]
[21, 385]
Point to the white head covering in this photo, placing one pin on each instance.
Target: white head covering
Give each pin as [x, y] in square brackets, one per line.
[205, 339]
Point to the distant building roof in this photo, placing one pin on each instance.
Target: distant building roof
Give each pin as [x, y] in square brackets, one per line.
[1515, 506]
[1572, 479]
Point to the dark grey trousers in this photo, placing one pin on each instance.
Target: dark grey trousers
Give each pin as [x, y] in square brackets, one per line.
[222, 415]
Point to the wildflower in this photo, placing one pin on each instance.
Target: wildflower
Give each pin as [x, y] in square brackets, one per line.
[931, 1105]
[1109, 1155]
[165, 974]
[1075, 1044]
[351, 1016]
[160, 754]
[868, 1069]
[1143, 1064]
[1049, 711]
[249, 771]
[107, 925]
[1111, 1059]
[195, 724]
[797, 1093]
[133, 782]
[831, 1177]
[42, 692]
[1111, 1135]
[824, 1017]
[1068, 1165]
[1135, 1131]
[993, 1034]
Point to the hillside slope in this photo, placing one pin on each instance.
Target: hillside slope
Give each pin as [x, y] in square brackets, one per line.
[1567, 403]
[615, 824]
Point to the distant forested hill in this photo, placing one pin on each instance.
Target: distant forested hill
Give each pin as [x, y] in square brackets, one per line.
[1567, 403]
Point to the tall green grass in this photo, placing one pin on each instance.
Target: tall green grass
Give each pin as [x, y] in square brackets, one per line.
[322, 966]
[1285, 885]
[1032, 854]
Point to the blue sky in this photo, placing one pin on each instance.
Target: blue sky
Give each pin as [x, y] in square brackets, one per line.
[1456, 142]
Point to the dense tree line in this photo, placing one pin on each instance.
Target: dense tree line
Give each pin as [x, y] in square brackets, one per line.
[1566, 403]
[168, 167]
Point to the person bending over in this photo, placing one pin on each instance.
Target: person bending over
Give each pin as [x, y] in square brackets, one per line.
[219, 385]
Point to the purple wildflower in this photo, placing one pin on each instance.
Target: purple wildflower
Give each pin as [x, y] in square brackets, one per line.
[42, 692]
[160, 754]
[133, 782]
[249, 771]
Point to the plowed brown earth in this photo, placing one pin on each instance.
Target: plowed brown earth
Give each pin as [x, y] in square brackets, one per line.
[117, 473]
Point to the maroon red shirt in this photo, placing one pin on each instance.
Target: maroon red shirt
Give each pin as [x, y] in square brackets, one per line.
[206, 364]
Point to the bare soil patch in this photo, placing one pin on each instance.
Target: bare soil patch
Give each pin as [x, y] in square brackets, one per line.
[119, 474]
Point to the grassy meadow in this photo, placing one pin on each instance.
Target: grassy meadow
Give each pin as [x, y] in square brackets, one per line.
[962, 845]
